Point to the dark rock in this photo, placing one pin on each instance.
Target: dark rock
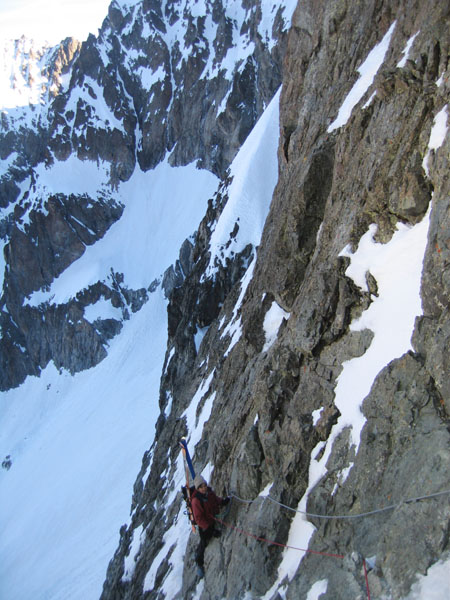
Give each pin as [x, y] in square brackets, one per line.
[7, 462]
[261, 430]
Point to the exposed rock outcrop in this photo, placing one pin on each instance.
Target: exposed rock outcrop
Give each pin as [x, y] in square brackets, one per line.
[332, 186]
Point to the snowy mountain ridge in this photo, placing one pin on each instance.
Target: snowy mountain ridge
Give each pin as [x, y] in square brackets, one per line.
[31, 75]
[96, 130]
[22, 74]
[283, 306]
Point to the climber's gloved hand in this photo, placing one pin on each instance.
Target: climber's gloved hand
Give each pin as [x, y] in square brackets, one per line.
[226, 501]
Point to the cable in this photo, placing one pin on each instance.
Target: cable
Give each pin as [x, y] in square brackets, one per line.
[357, 516]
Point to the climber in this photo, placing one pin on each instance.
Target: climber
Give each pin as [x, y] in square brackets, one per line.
[205, 504]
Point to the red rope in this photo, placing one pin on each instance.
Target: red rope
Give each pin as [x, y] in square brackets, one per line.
[367, 579]
[261, 539]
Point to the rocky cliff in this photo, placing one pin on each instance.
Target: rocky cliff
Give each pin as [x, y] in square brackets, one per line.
[299, 388]
[279, 411]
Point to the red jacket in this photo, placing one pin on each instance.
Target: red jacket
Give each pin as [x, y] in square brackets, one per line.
[204, 507]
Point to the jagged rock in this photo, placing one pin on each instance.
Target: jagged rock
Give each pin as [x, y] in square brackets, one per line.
[261, 432]
[401, 417]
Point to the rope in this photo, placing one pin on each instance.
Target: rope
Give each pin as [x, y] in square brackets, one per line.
[366, 578]
[261, 539]
[357, 516]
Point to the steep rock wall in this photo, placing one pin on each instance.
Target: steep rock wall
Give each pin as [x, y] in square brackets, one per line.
[332, 185]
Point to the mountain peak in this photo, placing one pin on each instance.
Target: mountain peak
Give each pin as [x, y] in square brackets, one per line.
[31, 73]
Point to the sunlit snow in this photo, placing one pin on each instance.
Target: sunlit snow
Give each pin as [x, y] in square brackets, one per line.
[22, 81]
[163, 207]
[367, 72]
[76, 444]
[407, 50]
[255, 173]
[397, 268]
[437, 136]
[272, 322]
[435, 585]
[320, 587]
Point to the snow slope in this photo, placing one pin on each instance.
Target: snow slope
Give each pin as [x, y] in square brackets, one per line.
[76, 443]
[163, 207]
[255, 173]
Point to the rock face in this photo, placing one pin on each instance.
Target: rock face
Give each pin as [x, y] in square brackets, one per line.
[333, 184]
[156, 83]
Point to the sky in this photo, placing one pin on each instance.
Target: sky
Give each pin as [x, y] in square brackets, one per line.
[51, 20]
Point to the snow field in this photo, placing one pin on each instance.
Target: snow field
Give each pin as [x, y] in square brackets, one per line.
[77, 442]
[159, 215]
[76, 445]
